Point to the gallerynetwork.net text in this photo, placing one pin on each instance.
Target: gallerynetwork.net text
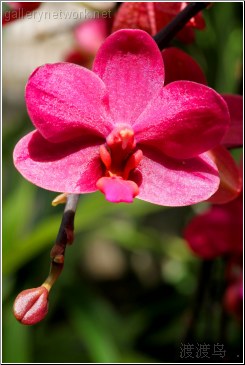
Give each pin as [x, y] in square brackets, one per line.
[55, 15]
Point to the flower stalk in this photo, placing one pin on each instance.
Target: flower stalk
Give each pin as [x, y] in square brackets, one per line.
[31, 305]
[166, 34]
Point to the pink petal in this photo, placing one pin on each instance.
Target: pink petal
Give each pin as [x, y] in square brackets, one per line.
[234, 135]
[170, 182]
[179, 65]
[117, 190]
[65, 167]
[230, 176]
[184, 120]
[131, 66]
[66, 100]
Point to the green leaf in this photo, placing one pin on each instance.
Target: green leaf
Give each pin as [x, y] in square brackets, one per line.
[17, 211]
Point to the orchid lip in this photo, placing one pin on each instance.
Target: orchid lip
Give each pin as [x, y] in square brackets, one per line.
[119, 156]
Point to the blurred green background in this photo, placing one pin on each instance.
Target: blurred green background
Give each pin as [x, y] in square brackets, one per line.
[129, 284]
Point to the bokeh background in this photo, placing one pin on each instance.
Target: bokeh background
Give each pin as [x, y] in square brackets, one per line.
[130, 290]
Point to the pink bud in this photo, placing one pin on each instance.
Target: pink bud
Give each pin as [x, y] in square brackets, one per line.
[31, 305]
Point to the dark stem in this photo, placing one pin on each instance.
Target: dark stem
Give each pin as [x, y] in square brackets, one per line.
[65, 236]
[202, 286]
[165, 35]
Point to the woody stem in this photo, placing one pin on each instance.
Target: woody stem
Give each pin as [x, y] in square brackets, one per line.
[166, 34]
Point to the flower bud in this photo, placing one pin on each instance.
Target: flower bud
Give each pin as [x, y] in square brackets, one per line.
[31, 305]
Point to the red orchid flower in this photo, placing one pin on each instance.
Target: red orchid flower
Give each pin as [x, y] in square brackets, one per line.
[117, 129]
[18, 10]
[218, 231]
[153, 16]
[180, 66]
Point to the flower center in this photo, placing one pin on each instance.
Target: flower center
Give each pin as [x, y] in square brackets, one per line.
[119, 156]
